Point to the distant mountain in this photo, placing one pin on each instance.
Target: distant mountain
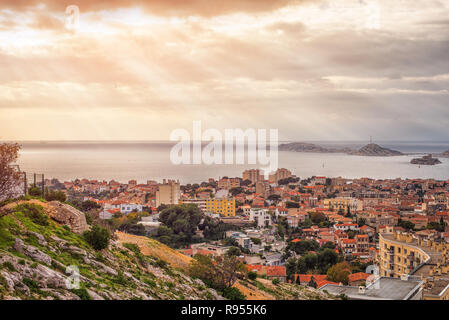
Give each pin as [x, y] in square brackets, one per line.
[310, 147]
[374, 150]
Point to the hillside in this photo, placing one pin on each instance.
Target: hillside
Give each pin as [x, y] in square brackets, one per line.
[151, 247]
[34, 255]
[35, 252]
[374, 150]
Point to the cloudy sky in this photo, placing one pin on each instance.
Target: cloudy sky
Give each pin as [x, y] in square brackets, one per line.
[136, 70]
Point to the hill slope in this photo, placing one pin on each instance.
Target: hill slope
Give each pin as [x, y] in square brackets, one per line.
[35, 252]
[34, 255]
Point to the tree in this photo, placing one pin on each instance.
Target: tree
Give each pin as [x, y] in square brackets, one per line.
[252, 275]
[234, 251]
[312, 283]
[406, 224]
[339, 273]
[219, 272]
[51, 195]
[318, 217]
[35, 191]
[98, 237]
[9, 176]
[326, 258]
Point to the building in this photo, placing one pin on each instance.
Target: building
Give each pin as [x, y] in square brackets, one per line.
[253, 175]
[342, 204]
[168, 193]
[223, 206]
[228, 183]
[362, 243]
[200, 203]
[263, 188]
[261, 216]
[381, 289]
[406, 253]
[280, 174]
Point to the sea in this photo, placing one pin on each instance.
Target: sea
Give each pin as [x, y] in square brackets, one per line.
[142, 161]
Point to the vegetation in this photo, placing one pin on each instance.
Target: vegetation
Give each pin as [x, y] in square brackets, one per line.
[98, 237]
[9, 176]
[339, 273]
[217, 272]
[180, 223]
[232, 293]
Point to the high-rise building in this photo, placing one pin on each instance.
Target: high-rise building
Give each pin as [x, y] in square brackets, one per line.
[280, 174]
[253, 175]
[168, 193]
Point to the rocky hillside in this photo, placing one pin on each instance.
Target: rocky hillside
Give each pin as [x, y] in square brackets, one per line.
[374, 150]
[35, 252]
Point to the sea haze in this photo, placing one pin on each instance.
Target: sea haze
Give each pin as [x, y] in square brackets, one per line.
[144, 161]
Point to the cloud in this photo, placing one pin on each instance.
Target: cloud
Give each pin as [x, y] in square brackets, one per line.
[204, 8]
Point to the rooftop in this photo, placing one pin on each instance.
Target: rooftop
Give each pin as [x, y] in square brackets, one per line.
[382, 289]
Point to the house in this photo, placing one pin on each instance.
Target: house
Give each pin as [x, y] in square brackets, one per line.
[271, 272]
[358, 278]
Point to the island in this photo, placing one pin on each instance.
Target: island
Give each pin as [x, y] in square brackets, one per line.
[370, 150]
[310, 147]
[426, 161]
[374, 150]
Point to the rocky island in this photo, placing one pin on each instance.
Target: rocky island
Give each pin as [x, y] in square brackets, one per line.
[374, 150]
[310, 147]
[371, 150]
[426, 160]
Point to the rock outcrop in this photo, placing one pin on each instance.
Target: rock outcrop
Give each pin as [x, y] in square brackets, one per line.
[68, 215]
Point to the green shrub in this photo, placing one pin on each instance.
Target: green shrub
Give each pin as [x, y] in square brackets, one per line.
[8, 265]
[34, 212]
[82, 293]
[232, 293]
[275, 281]
[98, 237]
[252, 275]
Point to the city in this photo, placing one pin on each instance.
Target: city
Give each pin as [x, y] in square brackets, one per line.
[396, 230]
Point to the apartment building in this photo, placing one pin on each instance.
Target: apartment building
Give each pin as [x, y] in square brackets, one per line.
[223, 206]
[261, 216]
[280, 174]
[342, 203]
[228, 183]
[253, 175]
[168, 193]
[407, 253]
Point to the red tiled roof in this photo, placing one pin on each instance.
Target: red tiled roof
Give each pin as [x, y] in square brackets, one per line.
[358, 276]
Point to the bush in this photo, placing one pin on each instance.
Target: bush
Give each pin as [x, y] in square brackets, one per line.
[232, 293]
[252, 275]
[82, 293]
[275, 281]
[34, 212]
[98, 237]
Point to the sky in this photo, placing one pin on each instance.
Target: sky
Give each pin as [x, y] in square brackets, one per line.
[137, 70]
